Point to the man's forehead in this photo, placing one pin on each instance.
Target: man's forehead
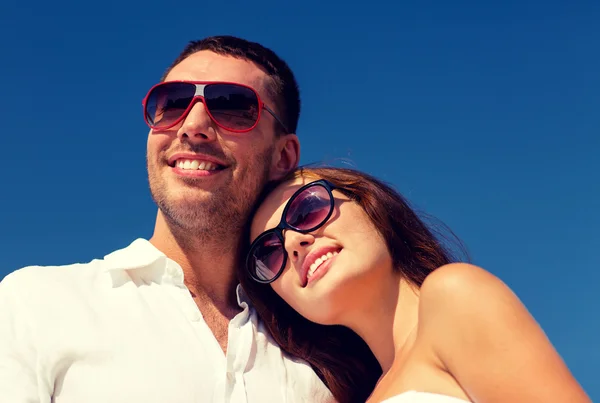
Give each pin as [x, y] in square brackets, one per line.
[206, 65]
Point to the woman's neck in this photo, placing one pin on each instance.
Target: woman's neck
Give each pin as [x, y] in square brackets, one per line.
[387, 323]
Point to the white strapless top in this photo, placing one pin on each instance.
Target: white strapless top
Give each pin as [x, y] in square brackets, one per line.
[422, 397]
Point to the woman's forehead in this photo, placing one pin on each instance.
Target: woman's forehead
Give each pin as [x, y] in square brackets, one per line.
[269, 212]
[284, 191]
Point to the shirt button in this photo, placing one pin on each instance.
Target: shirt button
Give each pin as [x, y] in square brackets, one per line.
[230, 376]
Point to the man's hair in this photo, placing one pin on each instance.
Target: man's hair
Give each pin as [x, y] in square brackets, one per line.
[283, 87]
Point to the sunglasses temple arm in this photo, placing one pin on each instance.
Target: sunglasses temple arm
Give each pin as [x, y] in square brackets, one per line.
[276, 118]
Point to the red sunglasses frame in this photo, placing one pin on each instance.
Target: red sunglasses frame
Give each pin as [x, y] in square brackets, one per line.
[199, 97]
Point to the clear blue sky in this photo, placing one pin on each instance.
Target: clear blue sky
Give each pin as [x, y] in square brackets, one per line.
[486, 116]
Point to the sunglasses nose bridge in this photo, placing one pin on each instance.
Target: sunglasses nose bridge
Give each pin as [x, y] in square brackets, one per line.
[197, 122]
[197, 99]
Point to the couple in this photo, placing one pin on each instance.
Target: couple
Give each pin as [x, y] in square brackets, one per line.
[345, 294]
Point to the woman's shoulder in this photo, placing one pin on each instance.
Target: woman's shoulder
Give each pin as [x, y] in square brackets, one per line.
[481, 334]
[462, 303]
[457, 277]
[463, 286]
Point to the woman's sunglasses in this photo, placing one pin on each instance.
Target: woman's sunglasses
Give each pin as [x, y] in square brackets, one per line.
[233, 107]
[307, 210]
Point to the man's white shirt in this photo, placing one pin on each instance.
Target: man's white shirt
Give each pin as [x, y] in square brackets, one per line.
[125, 329]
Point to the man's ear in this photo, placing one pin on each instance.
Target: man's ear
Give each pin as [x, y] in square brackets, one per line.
[286, 156]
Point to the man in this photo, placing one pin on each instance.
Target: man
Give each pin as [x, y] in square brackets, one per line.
[163, 320]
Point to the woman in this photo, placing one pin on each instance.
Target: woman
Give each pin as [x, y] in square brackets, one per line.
[347, 277]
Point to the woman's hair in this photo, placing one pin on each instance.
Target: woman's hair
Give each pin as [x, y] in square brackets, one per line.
[338, 355]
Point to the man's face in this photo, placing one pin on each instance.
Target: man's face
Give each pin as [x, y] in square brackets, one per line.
[205, 179]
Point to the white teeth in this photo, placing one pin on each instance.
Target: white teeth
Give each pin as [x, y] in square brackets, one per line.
[318, 262]
[195, 165]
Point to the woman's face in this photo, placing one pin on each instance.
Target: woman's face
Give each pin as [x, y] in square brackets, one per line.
[331, 270]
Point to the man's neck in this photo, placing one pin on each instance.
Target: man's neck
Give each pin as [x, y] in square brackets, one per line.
[208, 264]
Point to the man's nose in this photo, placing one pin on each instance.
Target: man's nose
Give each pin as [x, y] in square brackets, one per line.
[197, 126]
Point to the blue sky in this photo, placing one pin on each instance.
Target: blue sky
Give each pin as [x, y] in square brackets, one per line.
[485, 116]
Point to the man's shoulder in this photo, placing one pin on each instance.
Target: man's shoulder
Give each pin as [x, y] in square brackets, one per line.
[45, 276]
[32, 279]
[37, 273]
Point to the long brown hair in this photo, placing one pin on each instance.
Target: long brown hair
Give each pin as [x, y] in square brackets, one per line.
[341, 358]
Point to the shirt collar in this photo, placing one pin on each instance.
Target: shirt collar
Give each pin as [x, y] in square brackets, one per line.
[242, 297]
[143, 257]
[146, 262]
[140, 254]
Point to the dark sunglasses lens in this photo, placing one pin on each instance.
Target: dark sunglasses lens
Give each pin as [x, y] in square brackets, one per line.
[266, 257]
[232, 106]
[168, 102]
[309, 209]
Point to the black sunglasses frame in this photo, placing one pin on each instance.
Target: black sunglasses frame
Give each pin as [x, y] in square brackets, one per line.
[283, 225]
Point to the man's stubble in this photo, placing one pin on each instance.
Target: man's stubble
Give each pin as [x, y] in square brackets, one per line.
[221, 215]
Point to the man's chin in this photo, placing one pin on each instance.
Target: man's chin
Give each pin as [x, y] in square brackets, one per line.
[190, 215]
[189, 204]
[191, 195]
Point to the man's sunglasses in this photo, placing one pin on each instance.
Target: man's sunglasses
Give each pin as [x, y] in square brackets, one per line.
[234, 107]
[307, 210]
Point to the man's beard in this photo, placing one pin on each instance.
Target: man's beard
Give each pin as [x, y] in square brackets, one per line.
[221, 215]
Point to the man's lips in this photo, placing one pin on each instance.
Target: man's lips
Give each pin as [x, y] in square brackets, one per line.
[193, 162]
[195, 157]
[315, 259]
